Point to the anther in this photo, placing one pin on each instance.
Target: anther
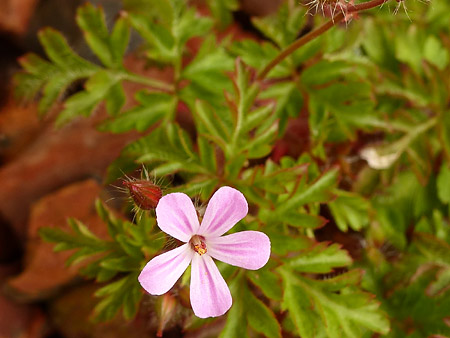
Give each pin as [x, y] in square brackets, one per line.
[198, 245]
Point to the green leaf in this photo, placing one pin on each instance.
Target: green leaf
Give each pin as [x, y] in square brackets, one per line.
[210, 122]
[289, 100]
[170, 146]
[443, 183]
[115, 99]
[443, 127]
[131, 247]
[324, 71]
[319, 191]
[320, 259]
[349, 278]
[303, 220]
[191, 24]
[207, 153]
[123, 264]
[440, 285]
[348, 312]
[53, 78]
[284, 26]
[435, 250]
[257, 117]
[340, 100]
[202, 186]
[282, 243]
[114, 225]
[260, 317]
[221, 10]
[152, 108]
[298, 303]
[160, 39]
[92, 22]
[377, 43]
[267, 281]
[259, 146]
[125, 292]
[343, 312]
[350, 210]
[59, 52]
[98, 88]
[207, 74]
[435, 53]
[236, 325]
[258, 55]
[66, 241]
[119, 39]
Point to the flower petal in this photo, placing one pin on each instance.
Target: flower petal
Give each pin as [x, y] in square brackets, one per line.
[210, 296]
[227, 207]
[177, 217]
[246, 249]
[161, 273]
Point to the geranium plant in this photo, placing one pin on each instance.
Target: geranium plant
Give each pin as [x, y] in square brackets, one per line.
[330, 119]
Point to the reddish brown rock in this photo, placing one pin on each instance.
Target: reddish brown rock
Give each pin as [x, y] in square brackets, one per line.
[19, 320]
[72, 313]
[57, 158]
[15, 15]
[19, 125]
[10, 248]
[44, 270]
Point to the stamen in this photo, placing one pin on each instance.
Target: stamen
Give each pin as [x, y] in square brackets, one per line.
[198, 244]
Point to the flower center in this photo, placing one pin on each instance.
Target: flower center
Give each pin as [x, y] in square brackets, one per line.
[198, 244]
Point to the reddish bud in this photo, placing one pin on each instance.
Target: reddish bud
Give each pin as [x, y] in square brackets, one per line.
[145, 194]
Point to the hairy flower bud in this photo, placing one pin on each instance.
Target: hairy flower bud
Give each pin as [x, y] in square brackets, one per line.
[329, 8]
[144, 193]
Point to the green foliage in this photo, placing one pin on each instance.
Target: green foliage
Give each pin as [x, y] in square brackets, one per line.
[221, 10]
[152, 108]
[418, 285]
[249, 311]
[319, 259]
[350, 211]
[342, 152]
[443, 184]
[54, 77]
[110, 49]
[347, 312]
[116, 260]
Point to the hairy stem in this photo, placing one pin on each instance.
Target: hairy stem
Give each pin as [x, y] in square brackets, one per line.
[317, 32]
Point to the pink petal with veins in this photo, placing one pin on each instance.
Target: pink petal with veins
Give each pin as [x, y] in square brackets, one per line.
[246, 249]
[177, 217]
[162, 272]
[227, 207]
[210, 296]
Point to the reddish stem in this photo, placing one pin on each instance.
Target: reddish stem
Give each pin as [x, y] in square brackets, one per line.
[315, 33]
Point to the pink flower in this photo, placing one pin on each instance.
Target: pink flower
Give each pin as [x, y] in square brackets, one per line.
[176, 216]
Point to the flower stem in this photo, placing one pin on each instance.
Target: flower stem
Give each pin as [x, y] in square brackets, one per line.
[316, 33]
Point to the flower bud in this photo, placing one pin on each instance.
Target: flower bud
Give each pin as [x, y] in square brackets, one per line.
[144, 193]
